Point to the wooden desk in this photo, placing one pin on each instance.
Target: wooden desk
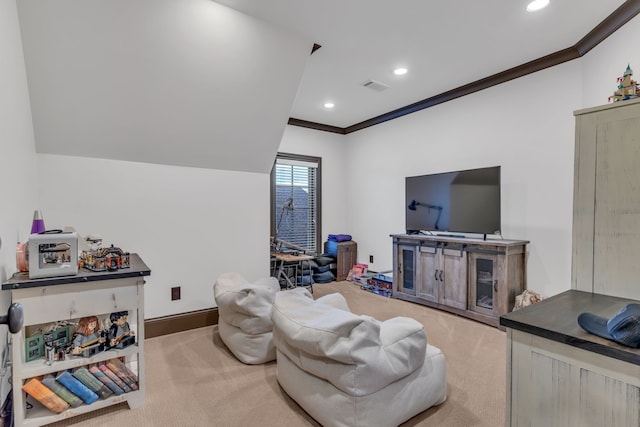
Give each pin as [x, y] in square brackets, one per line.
[560, 375]
[291, 257]
[287, 267]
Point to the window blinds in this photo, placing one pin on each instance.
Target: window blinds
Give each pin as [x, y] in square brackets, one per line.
[296, 204]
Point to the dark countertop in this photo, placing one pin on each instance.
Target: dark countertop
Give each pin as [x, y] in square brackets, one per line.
[555, 318]
[457, 239]
[137, 268]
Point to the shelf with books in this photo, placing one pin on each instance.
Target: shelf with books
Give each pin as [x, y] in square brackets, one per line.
[80, 390]
[70, 301]
[39, 415]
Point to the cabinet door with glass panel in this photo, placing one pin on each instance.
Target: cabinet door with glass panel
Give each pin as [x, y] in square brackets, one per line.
[484, 284]
[407, 269]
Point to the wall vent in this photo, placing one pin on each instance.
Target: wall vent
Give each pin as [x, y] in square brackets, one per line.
[377, 86]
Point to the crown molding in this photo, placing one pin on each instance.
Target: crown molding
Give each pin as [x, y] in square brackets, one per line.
[316, 126]
[627, 11]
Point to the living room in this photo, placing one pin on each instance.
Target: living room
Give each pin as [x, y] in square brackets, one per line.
[191, 223]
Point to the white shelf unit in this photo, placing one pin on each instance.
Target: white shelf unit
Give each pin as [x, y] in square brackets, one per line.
[92, 294]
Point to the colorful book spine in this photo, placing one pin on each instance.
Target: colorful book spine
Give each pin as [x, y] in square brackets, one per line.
[104, 379]
[77, 388]
[73, 400]
[126, 369]
[122, 374]
[44, 395]
[85, 377]
[109, 373]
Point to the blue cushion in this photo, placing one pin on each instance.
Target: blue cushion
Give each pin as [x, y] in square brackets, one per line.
[325, 277]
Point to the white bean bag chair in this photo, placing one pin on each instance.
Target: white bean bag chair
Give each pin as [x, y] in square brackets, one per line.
[352, 370]
[244, 316]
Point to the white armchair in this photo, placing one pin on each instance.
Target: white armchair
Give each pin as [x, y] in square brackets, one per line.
[244, 316]
[352, 370]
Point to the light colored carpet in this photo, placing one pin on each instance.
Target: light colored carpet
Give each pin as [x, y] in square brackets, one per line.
[193, 380]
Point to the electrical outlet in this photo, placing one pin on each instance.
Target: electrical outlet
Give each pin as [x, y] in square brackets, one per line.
[175, 293]
[371, 259]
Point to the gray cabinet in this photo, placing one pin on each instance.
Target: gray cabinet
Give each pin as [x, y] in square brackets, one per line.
[606, 226]
[471, 277]
[560, 375]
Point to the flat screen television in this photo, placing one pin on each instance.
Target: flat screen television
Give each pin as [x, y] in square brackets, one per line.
[466, 201]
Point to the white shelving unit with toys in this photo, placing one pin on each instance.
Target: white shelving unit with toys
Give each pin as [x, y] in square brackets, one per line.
[65, 300]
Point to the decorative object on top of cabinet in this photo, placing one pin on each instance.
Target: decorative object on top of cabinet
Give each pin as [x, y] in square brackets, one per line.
[627, 88]
[53, 254]
[22, 260]
[103, 259]
[37, 225]
[94, 242]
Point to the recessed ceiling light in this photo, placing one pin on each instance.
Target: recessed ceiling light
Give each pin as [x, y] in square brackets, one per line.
[537, 5]
[329, 105]
[400, 71]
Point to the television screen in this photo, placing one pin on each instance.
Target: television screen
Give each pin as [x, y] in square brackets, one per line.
[465, 201]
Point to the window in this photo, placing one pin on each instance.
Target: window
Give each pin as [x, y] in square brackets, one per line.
[295, 201]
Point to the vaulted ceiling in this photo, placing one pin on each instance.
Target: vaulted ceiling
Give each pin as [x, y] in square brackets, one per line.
[176, 82]
[213, 84]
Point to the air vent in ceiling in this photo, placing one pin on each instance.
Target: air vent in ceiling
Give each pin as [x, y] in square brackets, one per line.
[377, 86]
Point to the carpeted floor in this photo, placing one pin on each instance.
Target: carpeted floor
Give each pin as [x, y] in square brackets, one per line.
[193, 380]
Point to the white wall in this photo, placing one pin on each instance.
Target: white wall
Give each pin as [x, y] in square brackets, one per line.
[331, 148]
[188, 224]
[520, 125]
[526, 126]
[17, 155]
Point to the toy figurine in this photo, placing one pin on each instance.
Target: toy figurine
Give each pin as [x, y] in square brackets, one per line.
[120, 335]
[627, 88]
[88, 338]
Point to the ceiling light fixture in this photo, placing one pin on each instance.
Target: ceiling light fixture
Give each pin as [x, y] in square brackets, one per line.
[536, 5]
[329, 105]
[400, 71]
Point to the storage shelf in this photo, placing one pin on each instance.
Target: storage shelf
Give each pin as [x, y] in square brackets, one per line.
[40, 367]
[474, 278]
[48, 301]
[39, 415]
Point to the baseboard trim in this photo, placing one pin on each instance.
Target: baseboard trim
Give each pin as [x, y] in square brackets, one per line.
[180, 322]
